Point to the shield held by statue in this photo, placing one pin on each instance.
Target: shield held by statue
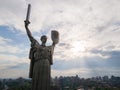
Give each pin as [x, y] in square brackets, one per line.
[55, 36]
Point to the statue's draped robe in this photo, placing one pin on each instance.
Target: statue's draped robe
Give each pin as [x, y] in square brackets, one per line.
[40, 70]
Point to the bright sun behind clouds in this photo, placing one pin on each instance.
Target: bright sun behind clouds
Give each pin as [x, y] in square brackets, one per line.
[78, 47]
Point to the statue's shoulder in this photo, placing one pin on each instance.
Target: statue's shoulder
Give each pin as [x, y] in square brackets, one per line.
[35, 44]
[49, 47]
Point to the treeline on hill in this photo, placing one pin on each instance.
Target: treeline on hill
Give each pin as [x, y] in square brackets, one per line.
[66, 83]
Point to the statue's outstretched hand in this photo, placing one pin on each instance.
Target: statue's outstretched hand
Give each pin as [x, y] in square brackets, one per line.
[26, 23]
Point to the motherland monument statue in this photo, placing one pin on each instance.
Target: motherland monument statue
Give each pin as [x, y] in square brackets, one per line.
[41, 57]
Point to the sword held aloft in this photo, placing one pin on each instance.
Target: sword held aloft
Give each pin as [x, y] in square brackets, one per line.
[28, 12]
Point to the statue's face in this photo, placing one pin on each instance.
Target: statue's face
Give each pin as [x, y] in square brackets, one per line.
[43, 39]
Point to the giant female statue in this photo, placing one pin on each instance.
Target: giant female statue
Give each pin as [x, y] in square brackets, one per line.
[41, 60]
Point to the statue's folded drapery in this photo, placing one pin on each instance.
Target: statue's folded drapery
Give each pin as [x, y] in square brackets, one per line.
[41, 59]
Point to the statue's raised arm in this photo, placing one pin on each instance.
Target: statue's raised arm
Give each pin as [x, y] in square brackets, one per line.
[33, 41]
[28, 31]
[27, 23]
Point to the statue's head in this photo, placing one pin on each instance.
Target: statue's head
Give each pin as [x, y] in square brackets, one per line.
[44, 39]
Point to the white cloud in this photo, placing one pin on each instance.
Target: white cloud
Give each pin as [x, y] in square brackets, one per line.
[12, 58]
[14, 73]
[6, 47]
[86, 72]
[11, 49]
[9, 64]
[4, 40]
[12, 13]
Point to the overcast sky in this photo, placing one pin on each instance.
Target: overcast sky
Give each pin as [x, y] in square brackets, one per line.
[89, 36]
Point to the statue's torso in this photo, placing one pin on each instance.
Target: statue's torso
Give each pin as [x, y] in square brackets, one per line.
[41, 52]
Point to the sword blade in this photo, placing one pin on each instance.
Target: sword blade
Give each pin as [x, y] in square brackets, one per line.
[28, 12]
